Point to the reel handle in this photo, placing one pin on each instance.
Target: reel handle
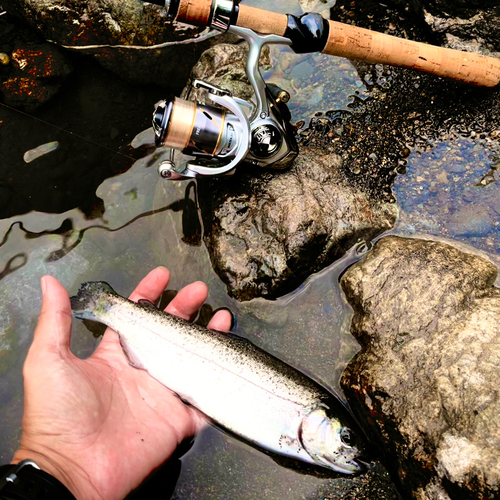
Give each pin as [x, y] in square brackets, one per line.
[352, 42]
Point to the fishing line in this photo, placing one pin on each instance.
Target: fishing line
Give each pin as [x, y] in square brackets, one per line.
[67, 131]
[206, 35]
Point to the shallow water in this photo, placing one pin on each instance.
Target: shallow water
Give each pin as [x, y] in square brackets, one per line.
[143, 222]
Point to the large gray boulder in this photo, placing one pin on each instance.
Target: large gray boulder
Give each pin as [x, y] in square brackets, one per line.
[128, 37]
[426, 381]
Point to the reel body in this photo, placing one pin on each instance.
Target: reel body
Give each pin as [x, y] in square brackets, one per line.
[232, 131]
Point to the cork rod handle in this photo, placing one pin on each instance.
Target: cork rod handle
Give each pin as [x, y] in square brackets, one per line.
[358, 43]
[349, 41]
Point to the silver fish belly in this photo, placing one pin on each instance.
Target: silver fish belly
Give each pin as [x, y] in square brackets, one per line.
[236, 384]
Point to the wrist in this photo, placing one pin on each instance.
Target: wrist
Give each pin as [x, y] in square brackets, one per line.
[25, 480]
[68, 476]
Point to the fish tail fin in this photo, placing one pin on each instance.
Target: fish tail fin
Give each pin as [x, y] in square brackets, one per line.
[91, 299]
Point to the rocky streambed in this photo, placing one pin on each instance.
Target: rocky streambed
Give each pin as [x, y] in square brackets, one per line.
[425, 383]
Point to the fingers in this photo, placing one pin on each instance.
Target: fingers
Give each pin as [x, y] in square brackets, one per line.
[221, 321]
[152, 286]
[187, 302]
[149, 288]
[53, 332]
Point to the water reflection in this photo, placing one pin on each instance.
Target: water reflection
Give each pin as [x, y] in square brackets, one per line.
[13, 266]
[71, 237]
[44, 149]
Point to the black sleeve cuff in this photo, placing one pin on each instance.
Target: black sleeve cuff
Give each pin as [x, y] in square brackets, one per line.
[29, 483]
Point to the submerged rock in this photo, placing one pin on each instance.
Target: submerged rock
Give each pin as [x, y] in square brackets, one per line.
[426, 381]
[130, 38]
[33, 70]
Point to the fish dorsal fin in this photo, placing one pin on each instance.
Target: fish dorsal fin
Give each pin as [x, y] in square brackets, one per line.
[147, 304]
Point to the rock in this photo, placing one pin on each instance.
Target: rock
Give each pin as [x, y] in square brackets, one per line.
[116, 34]
[224, 65]
[471, 220]
[472, 26]
[266, 232]
[425, 382]
[34, 70]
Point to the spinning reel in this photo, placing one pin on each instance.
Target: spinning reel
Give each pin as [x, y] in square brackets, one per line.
[232, 131]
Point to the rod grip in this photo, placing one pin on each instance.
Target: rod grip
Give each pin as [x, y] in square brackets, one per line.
[349, 41]
[262, 21]
[359, 43]
[194, 12]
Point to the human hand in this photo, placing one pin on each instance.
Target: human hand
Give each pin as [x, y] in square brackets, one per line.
[99, 425]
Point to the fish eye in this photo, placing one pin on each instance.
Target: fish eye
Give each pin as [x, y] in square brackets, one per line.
[346, 436]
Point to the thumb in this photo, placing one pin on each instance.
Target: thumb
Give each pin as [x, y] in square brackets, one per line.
[53, 332]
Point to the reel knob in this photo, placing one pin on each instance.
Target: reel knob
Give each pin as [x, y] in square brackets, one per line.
[266, 141]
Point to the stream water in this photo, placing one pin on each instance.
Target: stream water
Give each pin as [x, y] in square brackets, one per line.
[134, 221]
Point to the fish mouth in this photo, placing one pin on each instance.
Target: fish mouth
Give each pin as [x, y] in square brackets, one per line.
[362, 463]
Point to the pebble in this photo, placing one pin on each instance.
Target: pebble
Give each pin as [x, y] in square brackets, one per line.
[302, 71]
[471, 221]
[4, 59]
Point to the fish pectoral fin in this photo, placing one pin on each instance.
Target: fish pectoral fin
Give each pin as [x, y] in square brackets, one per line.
[147, 304]
[131, 357]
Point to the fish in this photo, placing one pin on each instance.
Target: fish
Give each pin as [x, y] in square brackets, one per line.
[240, 387]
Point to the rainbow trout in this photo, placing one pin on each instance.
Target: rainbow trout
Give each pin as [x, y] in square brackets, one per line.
[232, 381]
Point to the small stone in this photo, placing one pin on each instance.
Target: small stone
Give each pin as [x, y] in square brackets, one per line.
[471, 221]
[4, 59]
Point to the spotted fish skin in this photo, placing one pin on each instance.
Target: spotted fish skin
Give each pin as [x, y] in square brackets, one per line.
[240, 387]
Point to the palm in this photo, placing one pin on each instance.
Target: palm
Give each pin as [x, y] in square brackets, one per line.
[111, 422]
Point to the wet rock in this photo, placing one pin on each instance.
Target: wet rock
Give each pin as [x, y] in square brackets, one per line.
[38, 74]
[33, 71]
[224, 66]
[26, 92]
[425, 382]
[267, 231]
[464, 25]
[117, 33]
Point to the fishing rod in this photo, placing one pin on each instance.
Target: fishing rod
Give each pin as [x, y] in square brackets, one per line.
[233, 131]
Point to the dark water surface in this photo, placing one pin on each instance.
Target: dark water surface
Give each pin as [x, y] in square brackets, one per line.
[95, 209]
